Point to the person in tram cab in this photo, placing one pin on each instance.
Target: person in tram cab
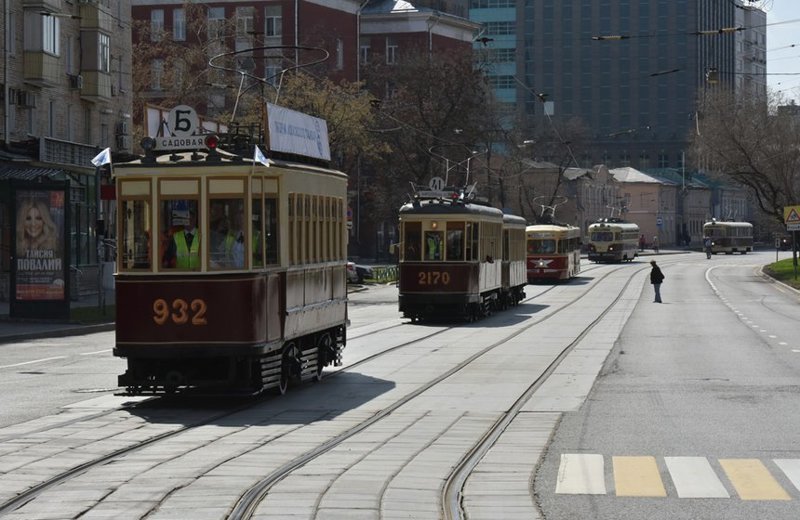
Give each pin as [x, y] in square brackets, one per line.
[234, 242]
[183, 251]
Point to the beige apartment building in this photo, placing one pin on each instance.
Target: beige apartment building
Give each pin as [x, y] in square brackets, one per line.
[66, 95]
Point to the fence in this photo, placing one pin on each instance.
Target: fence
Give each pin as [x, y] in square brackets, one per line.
[384, 273]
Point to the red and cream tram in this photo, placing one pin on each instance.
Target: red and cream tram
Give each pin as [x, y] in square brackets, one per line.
[554, 252]
[230, 274]
[458, 259]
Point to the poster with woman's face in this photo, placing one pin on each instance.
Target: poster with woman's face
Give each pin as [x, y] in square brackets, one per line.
[39, 245]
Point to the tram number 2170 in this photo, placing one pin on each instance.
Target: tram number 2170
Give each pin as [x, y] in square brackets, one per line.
[180, 311]
[433, 278]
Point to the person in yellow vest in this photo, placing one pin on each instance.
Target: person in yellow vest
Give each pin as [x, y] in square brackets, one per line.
[233, 244]
[183, 251]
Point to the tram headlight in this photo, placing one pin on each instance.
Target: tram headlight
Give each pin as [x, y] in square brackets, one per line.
[148, 144]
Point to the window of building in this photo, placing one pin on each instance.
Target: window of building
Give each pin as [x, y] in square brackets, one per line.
[42, 33]
[179, 25]
[339, 54]
[156, 74]
[244, 22]
[104, 52]
[663, 159]
[364, 53]
[391, 50]
[216, 23]
[273, 21]
[501, 28]
[51, 118]
[156, 25]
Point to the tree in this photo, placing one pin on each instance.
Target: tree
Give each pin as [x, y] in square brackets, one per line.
[749, 142]
[433, 108]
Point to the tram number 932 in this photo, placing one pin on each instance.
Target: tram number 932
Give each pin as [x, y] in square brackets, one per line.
[433, 278]
[180, 311]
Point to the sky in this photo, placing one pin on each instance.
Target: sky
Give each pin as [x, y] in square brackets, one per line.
[781, 58]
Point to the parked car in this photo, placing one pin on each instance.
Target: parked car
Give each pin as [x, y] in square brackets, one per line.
[352, 273]
[358, 273]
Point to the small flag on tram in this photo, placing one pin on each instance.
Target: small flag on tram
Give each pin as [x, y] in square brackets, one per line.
[102, 158]
[259, 157]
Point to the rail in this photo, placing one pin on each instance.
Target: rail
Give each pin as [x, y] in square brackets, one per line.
[384, 274]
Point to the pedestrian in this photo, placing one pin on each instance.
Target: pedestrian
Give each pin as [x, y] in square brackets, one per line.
[642, 242]
[655, 244]
[707, 246]
[656, 277]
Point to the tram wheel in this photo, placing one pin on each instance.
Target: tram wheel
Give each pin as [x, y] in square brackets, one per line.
[324, 347]
[289, 361]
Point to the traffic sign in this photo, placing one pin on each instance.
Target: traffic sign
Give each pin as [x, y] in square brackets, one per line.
[791, 217]
[659, 221]
[436, 184]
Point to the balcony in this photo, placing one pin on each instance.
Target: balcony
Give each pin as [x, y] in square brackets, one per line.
[44, 5]
[41, 68]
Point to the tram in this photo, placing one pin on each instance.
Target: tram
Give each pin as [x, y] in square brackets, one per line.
[553, 252]
[459, 259]
[613, 240]
[230, 268]
[729, 237]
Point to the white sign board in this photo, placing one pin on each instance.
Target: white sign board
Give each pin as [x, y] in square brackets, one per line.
[297, 133]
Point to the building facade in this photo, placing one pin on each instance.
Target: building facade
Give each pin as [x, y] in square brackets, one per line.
[66, 95]
[629, 70]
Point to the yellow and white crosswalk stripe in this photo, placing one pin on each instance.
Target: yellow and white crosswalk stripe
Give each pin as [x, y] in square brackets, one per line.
[692, 477]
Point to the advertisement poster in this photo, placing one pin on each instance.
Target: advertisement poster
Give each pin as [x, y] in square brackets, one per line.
[40, 260]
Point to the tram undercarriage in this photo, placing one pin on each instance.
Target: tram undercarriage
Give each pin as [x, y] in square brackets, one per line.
[293, 362]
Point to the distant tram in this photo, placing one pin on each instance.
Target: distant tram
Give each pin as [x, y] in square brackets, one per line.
[553, 252]
[230, 274]
[729, 237]
[459, 259]
[613, 240]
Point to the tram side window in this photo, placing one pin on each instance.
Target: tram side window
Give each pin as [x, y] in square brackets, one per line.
[227, 240]
[256, 242]
[271, 229]
[472, 234]
[136, 233]
[180, 238]
[455, 241]
[412, 237]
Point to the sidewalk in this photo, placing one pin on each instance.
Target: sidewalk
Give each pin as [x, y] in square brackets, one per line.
[18, 329]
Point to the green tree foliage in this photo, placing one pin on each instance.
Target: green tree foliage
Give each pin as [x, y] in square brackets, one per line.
[347, 110]
[749, 142]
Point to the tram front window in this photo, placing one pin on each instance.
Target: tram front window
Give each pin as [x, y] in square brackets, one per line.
[455, 241]
[412, 237]
[541, 247]
[135, 247]
[180, 238]
[602, 236]
[228, 234]
[433, 245]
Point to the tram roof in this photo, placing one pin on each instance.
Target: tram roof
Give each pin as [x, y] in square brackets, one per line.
[447, 207]
[615, 223]
[728, 223]
[203, 158]
[551, 228]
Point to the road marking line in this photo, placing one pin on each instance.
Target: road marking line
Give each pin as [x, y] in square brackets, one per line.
[581, 474]
[97, 352]
[34, 361]
[695, 478]
[791, 468]
[637, 477]
[752, 480]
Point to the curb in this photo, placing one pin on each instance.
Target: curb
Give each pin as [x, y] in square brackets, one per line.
[76, 330]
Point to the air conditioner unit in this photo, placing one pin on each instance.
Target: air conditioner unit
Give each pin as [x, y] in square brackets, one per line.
[122, 128]
[124, 142]
[76, 81]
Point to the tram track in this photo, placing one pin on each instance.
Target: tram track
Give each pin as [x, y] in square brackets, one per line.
[247, 505]
[36, 490]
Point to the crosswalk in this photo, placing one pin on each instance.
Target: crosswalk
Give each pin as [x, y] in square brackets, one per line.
[688, 477]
